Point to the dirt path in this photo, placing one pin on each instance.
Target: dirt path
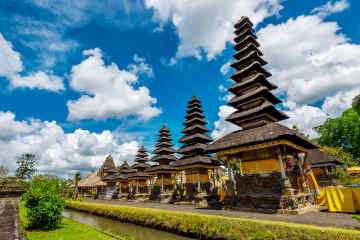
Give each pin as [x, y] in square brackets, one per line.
[322, 218]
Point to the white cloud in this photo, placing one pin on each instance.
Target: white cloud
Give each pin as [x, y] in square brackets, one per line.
[12, 66]
[310, 59]
[330, 8]
[11, 62]
[140, 67]
[207, 25]
[108, 91]
[222, 127]
[225, 68]
[39, 80]
[59, 152]
[306, 117]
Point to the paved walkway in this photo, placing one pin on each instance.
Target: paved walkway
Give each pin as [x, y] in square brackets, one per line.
[8, 221]
[322, 218]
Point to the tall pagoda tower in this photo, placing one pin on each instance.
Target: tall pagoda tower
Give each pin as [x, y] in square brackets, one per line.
[164, 156]
[142, 158]
[140, 179]
[262, 146]
[194, 161]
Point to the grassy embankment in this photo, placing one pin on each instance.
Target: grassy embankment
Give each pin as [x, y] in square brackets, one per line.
[69, 230]
[207, 226]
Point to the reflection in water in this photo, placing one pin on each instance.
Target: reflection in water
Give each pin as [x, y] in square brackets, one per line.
[117, 227]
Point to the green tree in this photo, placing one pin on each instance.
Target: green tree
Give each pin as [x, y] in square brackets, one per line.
[343, 132]
[3, 171]
[26, 165]
[44, 204]
[77, 178]
[340, 154]
[356, 104]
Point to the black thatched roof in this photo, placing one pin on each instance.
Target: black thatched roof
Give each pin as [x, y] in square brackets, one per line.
[199, 159]
[158, 168]
[266, 133]
[164, 151]
[195, 138]
[319, 158]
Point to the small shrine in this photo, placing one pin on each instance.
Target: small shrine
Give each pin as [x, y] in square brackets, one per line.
[139, 180]
[106, 173]
[269, 163]
[324, 166]
[163, 172]
[122, 180]
[197, 165]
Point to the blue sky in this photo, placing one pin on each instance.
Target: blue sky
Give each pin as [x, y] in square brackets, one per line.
[85, 79]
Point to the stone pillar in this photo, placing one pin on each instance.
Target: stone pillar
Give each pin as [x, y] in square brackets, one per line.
[162, 183]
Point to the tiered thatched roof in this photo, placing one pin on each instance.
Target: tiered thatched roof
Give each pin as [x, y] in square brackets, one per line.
[164, 152]
[141, 158]
[254, 103]
[253, 100]
[195, 139]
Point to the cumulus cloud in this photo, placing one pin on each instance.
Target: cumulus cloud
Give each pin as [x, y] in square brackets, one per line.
[59, 152]
[330, 8]
[310, 59]
[225, 69]
[108, 91]
[222, 127]
[207, 25]
[12, 66]
[140, 67]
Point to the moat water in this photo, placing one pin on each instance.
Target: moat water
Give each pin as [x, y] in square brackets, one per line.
[120, 228]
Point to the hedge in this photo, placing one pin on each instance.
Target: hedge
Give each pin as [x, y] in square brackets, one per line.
[213, 227]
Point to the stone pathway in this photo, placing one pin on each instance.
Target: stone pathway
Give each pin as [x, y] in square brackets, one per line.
[322, 218]
[8, 220]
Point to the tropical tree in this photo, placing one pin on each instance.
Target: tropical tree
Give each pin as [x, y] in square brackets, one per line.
[26, 165]
[77, 178]
[343, 132]
[3, 171]
[356, 104]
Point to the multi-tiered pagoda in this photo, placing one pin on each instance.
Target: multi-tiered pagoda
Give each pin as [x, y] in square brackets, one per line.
[164, 172]
[140, 179]
[262, 146]
[194, 161]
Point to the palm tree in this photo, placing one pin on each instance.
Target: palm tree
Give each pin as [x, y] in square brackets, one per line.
[76, 180]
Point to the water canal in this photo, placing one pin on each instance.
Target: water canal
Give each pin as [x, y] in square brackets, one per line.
[117, 227]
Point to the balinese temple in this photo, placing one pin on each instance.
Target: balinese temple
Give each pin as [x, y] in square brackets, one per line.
[107, 168]
[199, 167]
[271, 171]
[122, 181]
[163, 172]
[140, 180]
[106, 172]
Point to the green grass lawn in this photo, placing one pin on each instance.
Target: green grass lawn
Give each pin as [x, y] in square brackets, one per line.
[69, 230]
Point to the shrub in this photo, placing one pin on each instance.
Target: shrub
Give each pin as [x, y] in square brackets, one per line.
[44, 205]
[214, 227]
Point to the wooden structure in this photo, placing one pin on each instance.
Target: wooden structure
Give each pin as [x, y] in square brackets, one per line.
[90, 186]
[122, 180]
[11, 187]
[194, 162]
[271, 172]
[139, 181]
[324, 167]
[163, 172]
